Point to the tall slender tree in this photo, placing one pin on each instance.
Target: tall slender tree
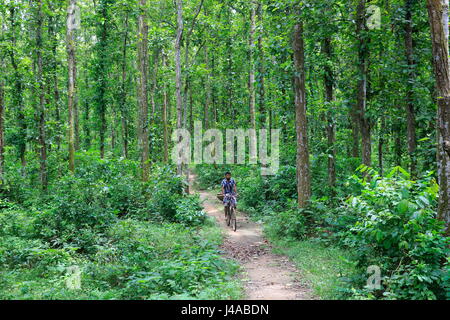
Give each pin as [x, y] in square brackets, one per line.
[154, 80]
[123, 89]
[164, 113]
[330, 125]
[18, 84]
[208, 94]
[261, 67]
[303, 169]
[101, 68]
[251, 80]
[364, 124]
[52, 25]
[187, 79]
[410, 109]
[2, 121]
[72, 77]
[178, 80]
[438, 16]
[143, 88]
[41, 85]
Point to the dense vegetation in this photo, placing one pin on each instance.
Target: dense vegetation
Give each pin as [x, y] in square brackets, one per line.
[387, 221]
[127, 245]
[91, 91]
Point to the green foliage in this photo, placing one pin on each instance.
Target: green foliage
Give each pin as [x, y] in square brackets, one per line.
[289, 224]
[77, 204]
[168, 201]
[323, 267]
[386, 221]
[190, 212]
[390, 222]
[251, 189]
[126, 241]
[209, 176]
[140, 260]
[397, 230]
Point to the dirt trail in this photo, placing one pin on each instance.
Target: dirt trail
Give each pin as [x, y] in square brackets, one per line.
[266, 276]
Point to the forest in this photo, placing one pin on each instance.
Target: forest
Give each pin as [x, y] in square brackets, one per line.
[351, 96]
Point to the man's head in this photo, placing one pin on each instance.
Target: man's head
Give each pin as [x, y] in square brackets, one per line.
[228, 175]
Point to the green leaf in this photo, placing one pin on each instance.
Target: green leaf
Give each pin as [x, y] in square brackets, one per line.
[403, 206]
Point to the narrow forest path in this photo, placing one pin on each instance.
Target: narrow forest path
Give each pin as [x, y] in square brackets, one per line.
[266, 276]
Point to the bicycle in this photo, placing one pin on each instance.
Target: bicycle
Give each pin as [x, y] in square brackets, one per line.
[230, 211]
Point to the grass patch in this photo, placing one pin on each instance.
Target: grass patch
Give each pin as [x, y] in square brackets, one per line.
[322, 267]
[102, 234]
[134, 260]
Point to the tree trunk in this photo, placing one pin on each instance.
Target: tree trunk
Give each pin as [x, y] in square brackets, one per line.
[251, 81]
[77, 124]
[229, 106]
[101, 72]
[410, 110]
[362, 83]
[398, 149]
[438, 16]
[261, 69]
[123, 93]
[355, 126]
[214, 95]
[303, 174]
[41, 109]
[331, 128]
[54, 67]
[381, 145]
[208, 90]
[143, 86]
[187, 86]
[18, 92]
[154, 81]
[178, 69]
[113, 130]
[164, 114]
[186, 99]
[2, 126]
[191, 111]
[72, 79]
[86, 125]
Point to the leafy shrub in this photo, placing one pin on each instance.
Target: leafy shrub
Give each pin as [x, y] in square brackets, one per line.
[98, 220]
[190, 212]
[17, 252]
[81, 206]
[283, 185]
[189, 272]
[15, 186]
[136, 260]
[251, 189]
[390, 222]
[163, 204]
[76, 204]
[397, 229]
[164, 189]
[164, 261]
[314, 221]
[121, 190]
[209, 176]
[16, 221]
[289, 224]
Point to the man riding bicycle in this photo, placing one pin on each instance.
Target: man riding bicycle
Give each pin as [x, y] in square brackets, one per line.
[229, 191]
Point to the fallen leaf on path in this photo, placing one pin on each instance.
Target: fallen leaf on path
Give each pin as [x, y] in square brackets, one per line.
[243, 252]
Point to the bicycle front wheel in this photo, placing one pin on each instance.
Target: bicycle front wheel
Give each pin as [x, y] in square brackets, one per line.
[233, 220]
